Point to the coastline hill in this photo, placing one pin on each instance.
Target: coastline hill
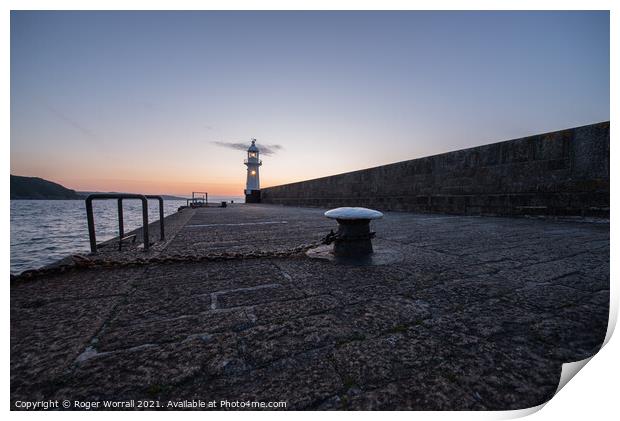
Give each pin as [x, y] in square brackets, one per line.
[35, 188]
[38, 188]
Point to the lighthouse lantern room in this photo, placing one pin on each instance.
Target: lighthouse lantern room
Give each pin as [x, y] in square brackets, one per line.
[252, 185]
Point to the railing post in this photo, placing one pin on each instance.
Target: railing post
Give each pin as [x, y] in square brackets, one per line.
[162, 236]
[160, 199]
[91, 225]
[121, 224]
[145, 222]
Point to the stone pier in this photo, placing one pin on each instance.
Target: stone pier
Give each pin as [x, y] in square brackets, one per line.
[479, 313]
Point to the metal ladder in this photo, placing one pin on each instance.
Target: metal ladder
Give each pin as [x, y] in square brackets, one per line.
[121, 227]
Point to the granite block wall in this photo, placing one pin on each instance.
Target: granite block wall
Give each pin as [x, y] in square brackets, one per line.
[558, 173]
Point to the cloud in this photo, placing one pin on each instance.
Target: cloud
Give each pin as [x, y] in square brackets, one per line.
[264, 149]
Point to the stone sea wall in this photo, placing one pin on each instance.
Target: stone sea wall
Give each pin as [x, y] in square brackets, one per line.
[558, 173]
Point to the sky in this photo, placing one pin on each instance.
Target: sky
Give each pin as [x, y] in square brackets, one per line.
[154, 102]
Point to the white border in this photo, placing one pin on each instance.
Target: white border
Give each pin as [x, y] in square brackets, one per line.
[592, 394]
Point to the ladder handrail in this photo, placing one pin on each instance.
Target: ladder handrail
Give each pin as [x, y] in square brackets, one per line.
[120, 196]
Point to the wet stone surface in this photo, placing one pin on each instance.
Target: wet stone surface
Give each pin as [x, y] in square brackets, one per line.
[477, 313]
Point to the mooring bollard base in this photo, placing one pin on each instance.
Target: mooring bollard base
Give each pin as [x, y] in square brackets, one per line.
[353, 238]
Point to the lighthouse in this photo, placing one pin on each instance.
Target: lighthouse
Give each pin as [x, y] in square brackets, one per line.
[252, 185]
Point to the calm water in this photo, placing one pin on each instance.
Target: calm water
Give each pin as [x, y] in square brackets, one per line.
[44, 231]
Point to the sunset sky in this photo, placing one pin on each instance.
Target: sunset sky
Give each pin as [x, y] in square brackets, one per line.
[146, 101]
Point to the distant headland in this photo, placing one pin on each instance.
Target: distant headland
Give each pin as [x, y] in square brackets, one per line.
[36, 188]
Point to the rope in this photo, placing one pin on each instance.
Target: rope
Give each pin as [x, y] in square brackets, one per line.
[84, 262]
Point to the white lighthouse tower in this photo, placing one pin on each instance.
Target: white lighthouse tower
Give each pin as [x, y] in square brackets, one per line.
[252, 186]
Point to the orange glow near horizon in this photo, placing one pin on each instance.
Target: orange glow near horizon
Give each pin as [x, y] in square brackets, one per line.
[170, 186]
[174, 171]
[155, 186]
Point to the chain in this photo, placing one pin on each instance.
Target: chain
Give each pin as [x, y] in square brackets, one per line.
[79, 261]
[332, 236]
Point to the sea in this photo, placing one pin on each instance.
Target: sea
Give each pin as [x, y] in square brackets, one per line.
[45, 231]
